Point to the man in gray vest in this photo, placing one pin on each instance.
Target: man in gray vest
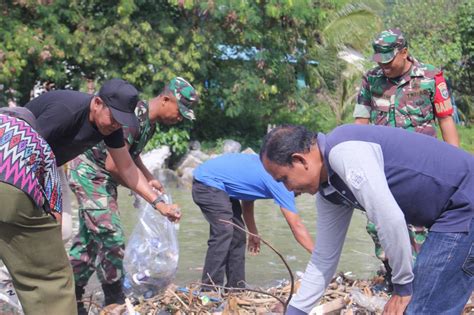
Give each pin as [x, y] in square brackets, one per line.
[397, 177]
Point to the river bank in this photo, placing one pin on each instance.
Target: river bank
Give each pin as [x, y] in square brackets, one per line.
[344, 296]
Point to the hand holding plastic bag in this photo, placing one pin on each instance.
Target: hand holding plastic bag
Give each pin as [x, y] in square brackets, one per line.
[151, 254]
[170, 211]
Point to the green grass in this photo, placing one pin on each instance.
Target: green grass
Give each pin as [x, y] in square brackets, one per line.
[466, 135]
[467, 138]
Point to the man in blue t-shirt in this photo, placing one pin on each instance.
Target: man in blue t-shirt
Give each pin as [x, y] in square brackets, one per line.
[396, 177]
[219, 186]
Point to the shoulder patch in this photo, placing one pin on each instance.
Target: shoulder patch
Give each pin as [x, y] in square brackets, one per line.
[443, 89]
[356, 177]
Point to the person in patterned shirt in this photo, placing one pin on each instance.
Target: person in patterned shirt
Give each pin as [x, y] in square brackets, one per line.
[93, 178]
[404, 93]
[30, 220]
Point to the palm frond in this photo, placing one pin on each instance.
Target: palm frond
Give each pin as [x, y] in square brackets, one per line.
[353, 26]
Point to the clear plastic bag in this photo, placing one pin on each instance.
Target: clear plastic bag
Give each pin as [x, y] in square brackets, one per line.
[8, 299]
[373, 303]
[151, 254]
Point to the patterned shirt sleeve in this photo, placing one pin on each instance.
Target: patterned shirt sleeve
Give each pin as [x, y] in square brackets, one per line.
[442, 99]
[363, 105]
[29, 164]
[50, 182]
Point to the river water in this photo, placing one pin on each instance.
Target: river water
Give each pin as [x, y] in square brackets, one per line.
[266, 268]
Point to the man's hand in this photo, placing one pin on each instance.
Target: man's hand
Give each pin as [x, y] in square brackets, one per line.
[396, 305]
[253, 245]
[58, 216]
[157, 185]
[170, 211]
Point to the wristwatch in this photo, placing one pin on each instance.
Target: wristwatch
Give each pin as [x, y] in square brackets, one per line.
[157, 201]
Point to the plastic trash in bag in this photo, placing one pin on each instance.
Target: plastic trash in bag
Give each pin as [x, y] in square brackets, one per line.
[8, 299]
[151, 254]
[371, 303]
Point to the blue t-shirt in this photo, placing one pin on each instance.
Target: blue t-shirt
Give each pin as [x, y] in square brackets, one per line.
[243, 177]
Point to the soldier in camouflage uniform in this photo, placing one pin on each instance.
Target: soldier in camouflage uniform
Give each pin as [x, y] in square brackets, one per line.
[93, 178]
[404, 93]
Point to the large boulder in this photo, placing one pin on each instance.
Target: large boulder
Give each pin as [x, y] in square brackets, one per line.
[199, 155]
[231, 146]
[187, 177]
[168, 177]
[194, 145]
[156, 158]
[188, 161]
[249, 151]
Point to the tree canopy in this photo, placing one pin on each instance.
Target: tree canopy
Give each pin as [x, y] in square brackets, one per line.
[254, 63]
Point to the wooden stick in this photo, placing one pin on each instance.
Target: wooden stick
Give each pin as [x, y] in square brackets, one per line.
[336, 305]
[292, 279]
[176, 296]
[242, 289]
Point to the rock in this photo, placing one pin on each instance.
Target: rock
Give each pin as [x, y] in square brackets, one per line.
[156, 158]
[194, 145]
[199, 154]
[188, 161]
[167, 177]
[248, 151]
[231, 146]
[187, 177]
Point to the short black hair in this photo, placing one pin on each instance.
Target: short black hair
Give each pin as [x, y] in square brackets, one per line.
[281, 142]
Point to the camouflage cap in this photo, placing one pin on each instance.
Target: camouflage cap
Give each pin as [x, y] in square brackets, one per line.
[387, 44]
[185, 94]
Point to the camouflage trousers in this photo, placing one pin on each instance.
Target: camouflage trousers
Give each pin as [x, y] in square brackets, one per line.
[99, 245]
[417, 238]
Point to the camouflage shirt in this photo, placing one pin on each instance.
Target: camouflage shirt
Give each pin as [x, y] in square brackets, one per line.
[136, 139]
[410, 102]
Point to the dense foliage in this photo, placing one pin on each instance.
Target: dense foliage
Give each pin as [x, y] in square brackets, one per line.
[254, 63]
[441, 32]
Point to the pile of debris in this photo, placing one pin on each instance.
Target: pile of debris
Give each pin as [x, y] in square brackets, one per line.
[343, 296]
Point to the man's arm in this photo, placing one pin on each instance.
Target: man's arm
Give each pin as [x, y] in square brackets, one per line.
[443, 110]
[363, 106]
[298, 229]
[113, 169]
[361, 121]
[361, 166]
[134, 179]
[331, 229]
[155, 183]
[448, 130]
[249, 219]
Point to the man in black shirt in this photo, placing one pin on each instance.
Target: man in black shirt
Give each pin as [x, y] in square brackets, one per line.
[72, 122]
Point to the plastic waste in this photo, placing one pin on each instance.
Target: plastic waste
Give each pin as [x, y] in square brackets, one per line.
[204, 299]
[151, 254]
[372, 304]
[7, 294]
[200, 295]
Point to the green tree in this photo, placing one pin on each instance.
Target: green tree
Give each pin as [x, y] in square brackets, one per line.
[440, 32]
[253, 62]
[465, 76]
[349, 29]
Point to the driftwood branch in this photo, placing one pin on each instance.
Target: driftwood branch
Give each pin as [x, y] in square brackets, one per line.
[240, 289]
[292, 279]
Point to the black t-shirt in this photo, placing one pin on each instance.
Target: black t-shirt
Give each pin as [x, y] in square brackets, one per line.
[63, 120]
